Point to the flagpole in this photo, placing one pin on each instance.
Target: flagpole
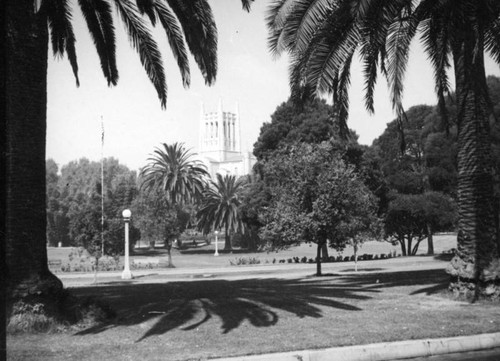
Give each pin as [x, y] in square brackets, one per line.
[102, 186]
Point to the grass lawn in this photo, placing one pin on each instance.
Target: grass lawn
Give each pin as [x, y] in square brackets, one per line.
[202, 319]
[202, 256]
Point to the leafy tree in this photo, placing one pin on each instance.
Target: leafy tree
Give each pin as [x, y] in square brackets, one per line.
[405, 172]
[289, 124]
[157, 219]
[322, 37]
[413, 217]
[255, 196]
[316, 198]
[57, 227]
[220, 207]
[86, 229]
[79, 199]
[29, 25]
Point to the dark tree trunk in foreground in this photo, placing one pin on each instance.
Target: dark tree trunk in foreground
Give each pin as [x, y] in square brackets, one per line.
[26, 104]
[472, 268]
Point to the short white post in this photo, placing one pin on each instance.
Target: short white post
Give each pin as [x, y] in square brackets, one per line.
[126, 274]
[216, 244]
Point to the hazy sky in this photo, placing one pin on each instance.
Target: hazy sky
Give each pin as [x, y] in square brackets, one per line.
[248, 75]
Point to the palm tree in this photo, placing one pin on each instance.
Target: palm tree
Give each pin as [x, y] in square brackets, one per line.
[29, 26]
[173, 171]
[322, 37]
[220, 207]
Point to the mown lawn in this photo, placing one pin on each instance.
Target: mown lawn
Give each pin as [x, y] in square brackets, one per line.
[203, 319]
[202, 256]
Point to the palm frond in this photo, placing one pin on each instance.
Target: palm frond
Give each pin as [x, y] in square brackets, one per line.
[341, 98]
[376, 16]
[492, 40]
[61, 30]
[175, 39]
[436, 44]
[147, 7]
[200, 31]
[399, 38]
[97, 14]
[276, 16]
[145, 45]
[307, 17]
[315, 70]
[246, 4]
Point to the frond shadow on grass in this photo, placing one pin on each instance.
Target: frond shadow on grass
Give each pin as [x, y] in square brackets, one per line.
[258, 301]
[436, 279]
[188, 305]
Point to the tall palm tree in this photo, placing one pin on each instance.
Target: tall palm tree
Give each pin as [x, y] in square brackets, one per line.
[322, 37]
[174, 171]
[30, 24]
[220, 207]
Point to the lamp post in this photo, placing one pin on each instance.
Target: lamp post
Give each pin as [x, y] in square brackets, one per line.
[126, 274]
[216, 244]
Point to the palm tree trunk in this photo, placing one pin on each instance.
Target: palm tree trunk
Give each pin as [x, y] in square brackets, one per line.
[227, 240]
[477, 246]
[26, 104]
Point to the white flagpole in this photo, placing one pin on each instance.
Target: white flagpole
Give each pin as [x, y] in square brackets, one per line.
[102, 186]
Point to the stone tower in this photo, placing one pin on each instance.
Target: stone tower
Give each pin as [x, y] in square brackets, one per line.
[220, 139]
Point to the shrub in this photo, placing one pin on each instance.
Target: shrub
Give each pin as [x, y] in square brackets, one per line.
[303, 259]
[241, 261]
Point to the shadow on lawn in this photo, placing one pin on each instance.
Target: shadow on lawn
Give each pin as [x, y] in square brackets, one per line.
[436, 279]
[188, 305]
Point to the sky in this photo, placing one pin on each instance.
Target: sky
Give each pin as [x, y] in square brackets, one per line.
[248, 77]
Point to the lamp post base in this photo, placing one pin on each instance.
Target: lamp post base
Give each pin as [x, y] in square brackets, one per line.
[127, 275]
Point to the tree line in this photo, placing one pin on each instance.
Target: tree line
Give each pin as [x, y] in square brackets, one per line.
[307, 186]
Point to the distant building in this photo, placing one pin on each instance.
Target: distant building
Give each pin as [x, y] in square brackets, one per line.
[220, 143]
